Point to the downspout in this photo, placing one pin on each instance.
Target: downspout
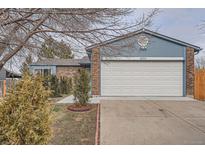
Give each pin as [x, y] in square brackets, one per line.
[184, 73]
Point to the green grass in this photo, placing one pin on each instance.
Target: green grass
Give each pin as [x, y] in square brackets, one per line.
[74, 128]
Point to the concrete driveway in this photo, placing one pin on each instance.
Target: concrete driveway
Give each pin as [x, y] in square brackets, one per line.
[152, 122]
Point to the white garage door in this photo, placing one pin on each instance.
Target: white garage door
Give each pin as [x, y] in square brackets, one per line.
[137, 78]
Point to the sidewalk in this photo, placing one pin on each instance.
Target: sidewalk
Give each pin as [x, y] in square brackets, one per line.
[70, 99]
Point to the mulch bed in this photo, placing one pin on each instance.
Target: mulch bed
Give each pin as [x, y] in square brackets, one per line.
[79, 108]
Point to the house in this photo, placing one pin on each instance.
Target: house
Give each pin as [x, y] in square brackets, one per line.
[59, 67]
[142, 63]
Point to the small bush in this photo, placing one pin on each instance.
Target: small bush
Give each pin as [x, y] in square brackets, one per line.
[54, 84]
[81, 87]
[25, 114]
[58, 86]
[65, 85]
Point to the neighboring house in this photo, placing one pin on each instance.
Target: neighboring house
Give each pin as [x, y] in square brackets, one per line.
[7, 79]
[59, 67]
[6, 74]
[142, 63]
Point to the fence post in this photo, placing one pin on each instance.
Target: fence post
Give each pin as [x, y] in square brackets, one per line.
[4, 88]
[199, 88]
[196, 84]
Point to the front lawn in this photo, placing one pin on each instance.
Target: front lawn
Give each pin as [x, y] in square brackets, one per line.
[73, 127]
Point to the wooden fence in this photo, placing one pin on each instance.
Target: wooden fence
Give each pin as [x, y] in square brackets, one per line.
[199, 88]
[5, 85]
[2, 88]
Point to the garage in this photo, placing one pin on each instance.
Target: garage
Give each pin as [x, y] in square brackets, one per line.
[142, 63]
[142, 78]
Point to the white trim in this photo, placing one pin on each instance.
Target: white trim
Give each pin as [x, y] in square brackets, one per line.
[143, 58]
[148, 32]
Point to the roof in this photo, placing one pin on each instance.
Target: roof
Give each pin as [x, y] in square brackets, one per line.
[9, 74]
[62, 62]
[197, 48]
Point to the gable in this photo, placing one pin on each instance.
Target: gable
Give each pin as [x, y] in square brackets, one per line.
[129, 47]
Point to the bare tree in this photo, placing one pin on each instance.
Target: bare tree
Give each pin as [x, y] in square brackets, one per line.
[200, 62]
[200, 57]
[24, 30]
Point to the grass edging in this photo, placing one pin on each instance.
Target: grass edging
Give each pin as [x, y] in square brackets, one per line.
[97, 131]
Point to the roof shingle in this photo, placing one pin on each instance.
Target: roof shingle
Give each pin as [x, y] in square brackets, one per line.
[62, 62]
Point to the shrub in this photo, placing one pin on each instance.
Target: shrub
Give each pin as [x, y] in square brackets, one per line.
[58, 86]
[65, 85]
[25, 114]
[54, 85]
[81, 87]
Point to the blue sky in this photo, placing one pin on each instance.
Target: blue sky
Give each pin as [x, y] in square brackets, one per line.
[183, 24]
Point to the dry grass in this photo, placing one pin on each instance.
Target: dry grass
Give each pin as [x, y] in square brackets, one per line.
[56, 99]
[73, 127]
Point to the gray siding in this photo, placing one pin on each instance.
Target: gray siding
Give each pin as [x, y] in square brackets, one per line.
[129, 47]
[2, 74]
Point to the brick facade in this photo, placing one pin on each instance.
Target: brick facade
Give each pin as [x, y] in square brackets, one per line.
[95, 69]
[66, 71]
[189, 71]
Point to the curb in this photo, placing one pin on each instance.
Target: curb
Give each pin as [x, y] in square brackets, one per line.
[97, 135]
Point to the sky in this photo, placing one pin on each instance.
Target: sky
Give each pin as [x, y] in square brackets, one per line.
[182, 24]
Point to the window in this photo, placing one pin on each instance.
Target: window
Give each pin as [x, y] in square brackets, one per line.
[44, 72]
[37, 71]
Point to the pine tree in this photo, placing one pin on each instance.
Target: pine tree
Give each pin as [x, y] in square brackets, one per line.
[25, 114]
[81, 87]
[53, 49]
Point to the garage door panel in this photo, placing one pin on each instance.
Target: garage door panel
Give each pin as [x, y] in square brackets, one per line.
[139, 63]
[141, 87]
[171, 69]
[140, 73]
[142, 80]
[141, 91]
[148, 83]
[117, 65]
[129, 78]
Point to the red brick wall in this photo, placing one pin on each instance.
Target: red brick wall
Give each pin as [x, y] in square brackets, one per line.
[95, 70]
[189, 71]
[66, 71]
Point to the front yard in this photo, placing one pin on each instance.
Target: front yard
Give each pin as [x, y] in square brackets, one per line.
[73, 127]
